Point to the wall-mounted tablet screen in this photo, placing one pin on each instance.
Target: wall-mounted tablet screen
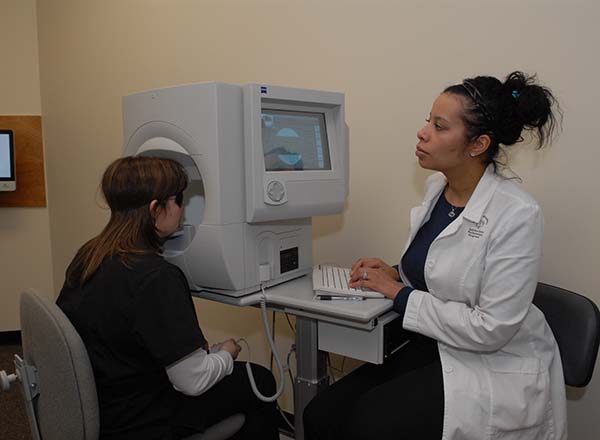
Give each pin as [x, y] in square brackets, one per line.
[7, 161]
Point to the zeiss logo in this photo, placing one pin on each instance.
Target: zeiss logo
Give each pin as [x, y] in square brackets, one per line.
[263, 90]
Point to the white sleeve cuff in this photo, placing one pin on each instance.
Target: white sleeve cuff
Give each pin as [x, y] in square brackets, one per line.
[411, 314]
[199, 371]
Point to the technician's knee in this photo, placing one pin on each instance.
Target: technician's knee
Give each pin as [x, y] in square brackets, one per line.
[358, 428]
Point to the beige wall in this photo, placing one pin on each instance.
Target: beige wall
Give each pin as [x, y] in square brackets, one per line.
[24, 232]
[390, 58]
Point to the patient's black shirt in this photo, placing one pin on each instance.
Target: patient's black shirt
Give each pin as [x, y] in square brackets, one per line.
[134, 322]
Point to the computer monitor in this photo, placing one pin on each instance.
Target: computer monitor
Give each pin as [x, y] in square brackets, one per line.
[294, 141]
[296, 153]
[8, 179]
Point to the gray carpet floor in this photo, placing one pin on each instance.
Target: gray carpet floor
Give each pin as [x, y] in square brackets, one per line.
[13, 418]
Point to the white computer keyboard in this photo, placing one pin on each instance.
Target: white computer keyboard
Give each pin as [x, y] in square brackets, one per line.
[334, 280]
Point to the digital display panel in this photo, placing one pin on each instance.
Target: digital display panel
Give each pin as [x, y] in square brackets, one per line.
[7, 171]
[294, 141]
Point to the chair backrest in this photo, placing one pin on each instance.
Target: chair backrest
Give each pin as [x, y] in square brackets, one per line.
[67, 405]
[575, 322]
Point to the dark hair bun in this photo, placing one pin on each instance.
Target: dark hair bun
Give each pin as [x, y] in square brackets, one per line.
[523, 104]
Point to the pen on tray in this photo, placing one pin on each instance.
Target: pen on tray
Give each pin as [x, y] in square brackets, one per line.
[340, 297]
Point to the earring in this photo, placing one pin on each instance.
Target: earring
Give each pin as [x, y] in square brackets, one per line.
[472, 154]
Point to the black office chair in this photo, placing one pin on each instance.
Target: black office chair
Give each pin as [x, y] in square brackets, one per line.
[575, 322]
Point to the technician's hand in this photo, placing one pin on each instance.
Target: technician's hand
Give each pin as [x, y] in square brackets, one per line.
[373, 263]
[377, 279]
[232, 347]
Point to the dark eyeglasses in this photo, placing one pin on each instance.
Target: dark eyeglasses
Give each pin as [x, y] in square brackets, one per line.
[179, 198]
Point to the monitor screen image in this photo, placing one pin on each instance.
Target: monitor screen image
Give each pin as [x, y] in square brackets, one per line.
[6, 156]
[294, 141]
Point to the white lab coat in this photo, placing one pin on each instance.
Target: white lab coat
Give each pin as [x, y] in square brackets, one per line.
[501, 366]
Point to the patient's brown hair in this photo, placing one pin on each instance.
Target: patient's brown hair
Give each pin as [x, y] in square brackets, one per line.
[129, 185]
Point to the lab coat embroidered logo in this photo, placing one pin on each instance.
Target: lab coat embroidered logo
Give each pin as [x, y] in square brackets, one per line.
[477, 230]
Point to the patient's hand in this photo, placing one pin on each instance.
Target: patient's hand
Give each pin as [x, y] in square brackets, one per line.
[232, 347]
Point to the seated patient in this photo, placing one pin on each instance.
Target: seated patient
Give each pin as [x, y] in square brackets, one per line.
[133, 310]
[482, 362]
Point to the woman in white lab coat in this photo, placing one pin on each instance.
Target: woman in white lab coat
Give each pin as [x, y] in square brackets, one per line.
[482, 362]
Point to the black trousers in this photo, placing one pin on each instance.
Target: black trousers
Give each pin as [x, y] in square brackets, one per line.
[231, 395]
[401, 399]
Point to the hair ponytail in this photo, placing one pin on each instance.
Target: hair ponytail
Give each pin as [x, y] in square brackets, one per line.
[533, 109]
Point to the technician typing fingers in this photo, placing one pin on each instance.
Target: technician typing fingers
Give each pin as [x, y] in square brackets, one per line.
[378, 280]
[366, 262]
[375, 263]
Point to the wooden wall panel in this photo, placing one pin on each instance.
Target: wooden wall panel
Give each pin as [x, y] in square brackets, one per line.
[29, 161]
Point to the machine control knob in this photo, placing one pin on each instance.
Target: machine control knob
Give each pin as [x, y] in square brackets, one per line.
[275, 191]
